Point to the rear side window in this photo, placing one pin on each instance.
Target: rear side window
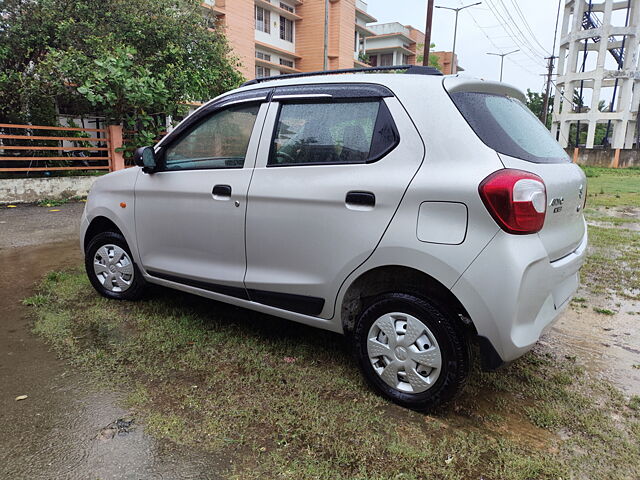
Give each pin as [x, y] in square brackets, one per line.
[332, 133]
[508, 126]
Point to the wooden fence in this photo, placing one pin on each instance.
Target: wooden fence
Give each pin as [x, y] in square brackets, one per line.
[38, 148]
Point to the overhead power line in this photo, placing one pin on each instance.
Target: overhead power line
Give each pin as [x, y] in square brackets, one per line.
[512, 29]
[498, 47]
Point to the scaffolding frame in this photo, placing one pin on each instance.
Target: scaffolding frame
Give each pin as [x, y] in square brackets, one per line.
[583, 32]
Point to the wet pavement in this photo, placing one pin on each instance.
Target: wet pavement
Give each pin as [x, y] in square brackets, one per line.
[66, 428]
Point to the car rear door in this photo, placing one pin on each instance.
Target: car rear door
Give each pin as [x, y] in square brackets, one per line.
[190, 213]
[327, 182]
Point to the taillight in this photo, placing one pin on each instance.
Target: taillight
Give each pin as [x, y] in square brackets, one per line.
[516, 200]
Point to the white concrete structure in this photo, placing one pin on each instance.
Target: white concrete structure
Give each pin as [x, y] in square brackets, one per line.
[599, 58]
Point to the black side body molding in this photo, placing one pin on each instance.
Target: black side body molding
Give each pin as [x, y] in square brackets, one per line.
[285, 301]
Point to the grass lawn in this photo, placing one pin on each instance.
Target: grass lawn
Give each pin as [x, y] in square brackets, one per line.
[613, 200]
[282, 400]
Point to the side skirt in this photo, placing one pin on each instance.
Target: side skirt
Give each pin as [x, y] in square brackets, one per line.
[294, 303]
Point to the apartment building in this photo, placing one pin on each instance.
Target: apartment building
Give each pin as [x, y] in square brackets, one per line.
[273, 37]
[397, 44]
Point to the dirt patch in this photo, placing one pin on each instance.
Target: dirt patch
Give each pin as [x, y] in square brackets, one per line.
[607, 344]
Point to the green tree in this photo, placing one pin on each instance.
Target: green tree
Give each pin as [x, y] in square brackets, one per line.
[535, 102]
[434, 61]
[132, 61]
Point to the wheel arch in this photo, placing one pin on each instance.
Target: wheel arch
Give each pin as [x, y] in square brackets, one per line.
[403, 279]
[99, 225]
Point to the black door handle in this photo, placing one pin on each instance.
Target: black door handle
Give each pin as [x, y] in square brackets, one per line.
[361, 199]
[221, 191]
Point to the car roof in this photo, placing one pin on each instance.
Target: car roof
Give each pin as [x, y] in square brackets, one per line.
[397, 82]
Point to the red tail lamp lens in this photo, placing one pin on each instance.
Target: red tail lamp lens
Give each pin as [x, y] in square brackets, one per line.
[517, 200]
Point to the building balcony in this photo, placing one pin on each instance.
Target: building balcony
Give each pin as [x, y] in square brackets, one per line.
[277, 10]
[276, 66]
[274, 49]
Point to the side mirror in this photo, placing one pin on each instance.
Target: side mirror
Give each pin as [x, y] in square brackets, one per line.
[145, 157]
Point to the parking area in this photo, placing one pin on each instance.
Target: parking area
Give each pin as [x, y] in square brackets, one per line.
[182, 387]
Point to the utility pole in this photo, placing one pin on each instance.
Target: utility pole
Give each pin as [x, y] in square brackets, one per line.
[502, 55]
[454, 64]
[545, 104]
[427, 33]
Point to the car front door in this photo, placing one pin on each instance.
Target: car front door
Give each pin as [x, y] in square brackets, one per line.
[190, 213]
[325, 187]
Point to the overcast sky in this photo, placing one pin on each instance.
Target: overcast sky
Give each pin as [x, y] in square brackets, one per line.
[482, 29]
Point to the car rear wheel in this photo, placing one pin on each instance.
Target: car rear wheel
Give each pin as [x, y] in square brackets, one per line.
[411, 351]
[111, 269]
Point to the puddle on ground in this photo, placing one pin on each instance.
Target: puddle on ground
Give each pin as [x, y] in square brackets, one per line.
[62, 429]
[607, 345]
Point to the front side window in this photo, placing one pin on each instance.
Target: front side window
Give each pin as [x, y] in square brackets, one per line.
[220, 141]
[263, 20]
[286, 29]
[506, 125]
[330, 133]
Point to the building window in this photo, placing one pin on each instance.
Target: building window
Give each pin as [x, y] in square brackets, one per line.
[263, 20]
[286, 29]
[386, 59]
[262, 71]
[405, 59]
[373, 60]
[286, 63]
[263, 56]
[286, 7]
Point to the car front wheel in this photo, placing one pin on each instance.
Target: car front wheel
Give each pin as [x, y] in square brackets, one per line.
[411, 351]
[111, 269]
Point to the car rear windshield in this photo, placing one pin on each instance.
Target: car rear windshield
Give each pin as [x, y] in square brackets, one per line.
[508, 126]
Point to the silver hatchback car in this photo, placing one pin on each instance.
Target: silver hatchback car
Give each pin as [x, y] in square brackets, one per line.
[415, 213]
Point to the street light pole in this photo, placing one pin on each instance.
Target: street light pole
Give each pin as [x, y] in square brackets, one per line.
[454, 65]
[502, 55]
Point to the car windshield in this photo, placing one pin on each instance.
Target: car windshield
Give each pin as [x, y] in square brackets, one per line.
[508, 126]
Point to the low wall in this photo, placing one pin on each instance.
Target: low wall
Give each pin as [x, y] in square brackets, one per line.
[23, 190]
[600, 157]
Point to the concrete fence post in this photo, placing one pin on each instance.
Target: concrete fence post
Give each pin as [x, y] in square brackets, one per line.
[616, 159]
[116, 159]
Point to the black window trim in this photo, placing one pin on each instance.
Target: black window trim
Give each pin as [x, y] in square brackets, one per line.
[383, 115]
[202, 115]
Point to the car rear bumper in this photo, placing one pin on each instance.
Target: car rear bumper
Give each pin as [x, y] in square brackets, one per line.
[513, 292]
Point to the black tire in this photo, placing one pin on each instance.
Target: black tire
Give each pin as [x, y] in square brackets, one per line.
[138, 284]
[453, 343]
